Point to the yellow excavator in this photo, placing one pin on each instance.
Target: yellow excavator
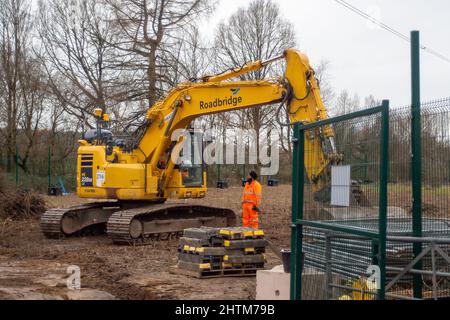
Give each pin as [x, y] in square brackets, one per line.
[135, 178]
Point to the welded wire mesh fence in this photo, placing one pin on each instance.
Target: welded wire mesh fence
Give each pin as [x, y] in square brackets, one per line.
[435, 140]
[336, 263]
[40, 171]
[347, 196]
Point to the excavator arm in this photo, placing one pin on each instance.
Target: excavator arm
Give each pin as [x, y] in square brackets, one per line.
[298, 90]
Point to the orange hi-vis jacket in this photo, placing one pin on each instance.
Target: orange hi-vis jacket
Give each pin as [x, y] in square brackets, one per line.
[252, 193]
[250, 198]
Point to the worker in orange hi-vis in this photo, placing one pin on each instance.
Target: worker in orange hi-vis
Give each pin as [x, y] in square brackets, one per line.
[251, 201]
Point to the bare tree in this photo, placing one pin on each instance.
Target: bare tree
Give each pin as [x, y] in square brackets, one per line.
[78, 57]
[323, 77]
[33, 101]
[149, 38]
[14, 30]
[194, 55]
[254, 33]
[370, 102]
[345, 103]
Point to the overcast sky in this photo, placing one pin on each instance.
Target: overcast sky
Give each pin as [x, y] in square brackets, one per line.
[365, 59]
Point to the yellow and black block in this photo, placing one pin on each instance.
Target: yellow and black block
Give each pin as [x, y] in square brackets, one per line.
[245, 259]
[241, 233]
[243, 244]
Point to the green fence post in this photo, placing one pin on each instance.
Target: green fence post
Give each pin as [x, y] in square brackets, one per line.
[17, 165]
[375, 252]
[383, 196]
[297, 212]
[416, 165]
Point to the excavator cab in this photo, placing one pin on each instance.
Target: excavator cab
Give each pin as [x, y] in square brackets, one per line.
[189, 175]
[192, 169]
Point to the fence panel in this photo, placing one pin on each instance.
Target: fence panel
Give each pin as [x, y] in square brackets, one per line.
[338, 242]
[340, 213]
[435, 132]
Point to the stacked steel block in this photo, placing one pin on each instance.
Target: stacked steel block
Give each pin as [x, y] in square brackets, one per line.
[217, 252]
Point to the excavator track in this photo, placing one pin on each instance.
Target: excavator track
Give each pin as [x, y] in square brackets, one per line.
[164, 221]
[133, 224]
[51, 223]
[59, 223]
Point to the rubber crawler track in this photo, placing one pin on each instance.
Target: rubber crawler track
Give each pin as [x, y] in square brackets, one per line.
[51, 219]
[118, 226]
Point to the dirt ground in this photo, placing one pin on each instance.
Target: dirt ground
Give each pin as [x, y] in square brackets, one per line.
[33, 267]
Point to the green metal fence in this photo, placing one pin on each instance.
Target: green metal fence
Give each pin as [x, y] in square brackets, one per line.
[429, 278]
[334, 246]
[42, 170]
[325, 266]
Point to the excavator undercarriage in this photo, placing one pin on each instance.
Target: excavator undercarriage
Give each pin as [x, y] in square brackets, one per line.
[133, 223]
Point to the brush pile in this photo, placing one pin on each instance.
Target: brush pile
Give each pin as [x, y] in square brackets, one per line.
[18, 204]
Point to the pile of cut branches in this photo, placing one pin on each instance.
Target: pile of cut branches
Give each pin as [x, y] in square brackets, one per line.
[20, 204]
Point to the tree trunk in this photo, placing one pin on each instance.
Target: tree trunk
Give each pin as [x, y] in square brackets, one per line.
[151, 74]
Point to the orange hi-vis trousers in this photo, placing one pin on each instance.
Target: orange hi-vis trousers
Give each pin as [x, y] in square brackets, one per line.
[250, 217]
[251, 198]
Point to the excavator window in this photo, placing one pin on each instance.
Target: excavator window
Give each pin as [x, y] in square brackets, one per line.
[192, 175]
[192, 172]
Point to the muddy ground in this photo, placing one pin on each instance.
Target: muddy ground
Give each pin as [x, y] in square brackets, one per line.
[33, 267]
